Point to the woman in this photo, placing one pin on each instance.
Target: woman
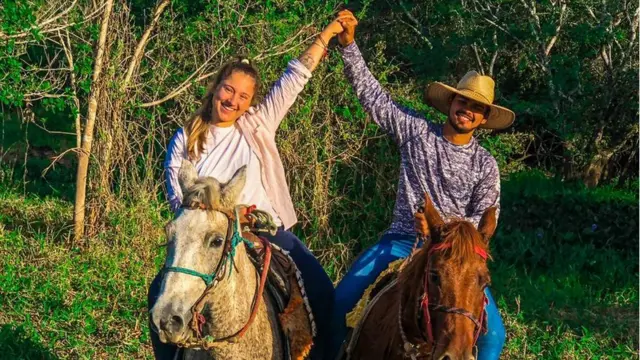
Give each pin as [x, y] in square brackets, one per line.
[229, 131]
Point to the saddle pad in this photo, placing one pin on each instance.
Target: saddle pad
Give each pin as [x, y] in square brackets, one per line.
[296, 318]
[353, 318]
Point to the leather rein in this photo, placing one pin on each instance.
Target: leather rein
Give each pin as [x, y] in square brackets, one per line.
[232, 240]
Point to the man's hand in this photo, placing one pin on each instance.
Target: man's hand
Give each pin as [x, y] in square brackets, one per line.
[349, 23]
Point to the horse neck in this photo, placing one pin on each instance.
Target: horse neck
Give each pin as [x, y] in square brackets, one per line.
[231, 300]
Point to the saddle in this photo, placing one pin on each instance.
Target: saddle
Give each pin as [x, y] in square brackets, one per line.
[282, 281]
[286, 288]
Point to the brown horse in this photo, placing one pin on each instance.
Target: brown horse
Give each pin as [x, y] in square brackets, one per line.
[434, 309]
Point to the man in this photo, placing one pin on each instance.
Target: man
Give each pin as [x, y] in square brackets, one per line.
[446, 161]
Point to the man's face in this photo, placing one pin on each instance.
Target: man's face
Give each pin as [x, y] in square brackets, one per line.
[465, 115]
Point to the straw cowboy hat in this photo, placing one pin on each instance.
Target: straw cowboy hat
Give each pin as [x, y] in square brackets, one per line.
[475, 87]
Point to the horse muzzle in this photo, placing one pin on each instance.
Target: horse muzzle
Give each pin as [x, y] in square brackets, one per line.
[171, 325]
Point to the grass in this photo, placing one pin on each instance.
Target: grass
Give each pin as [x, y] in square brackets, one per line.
[567, 289]
[61, 302]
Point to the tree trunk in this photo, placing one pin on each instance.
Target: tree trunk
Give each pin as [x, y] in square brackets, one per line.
[596, 168]
[83, 155]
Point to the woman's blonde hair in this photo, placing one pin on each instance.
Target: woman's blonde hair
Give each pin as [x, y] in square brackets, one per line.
[199, 123]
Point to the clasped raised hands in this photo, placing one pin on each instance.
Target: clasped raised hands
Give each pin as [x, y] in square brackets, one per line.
[344, 26]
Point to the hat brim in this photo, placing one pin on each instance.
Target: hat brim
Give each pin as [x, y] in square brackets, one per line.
[438, 95]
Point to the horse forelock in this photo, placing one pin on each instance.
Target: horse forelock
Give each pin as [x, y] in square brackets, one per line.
[463, 239]
[205, 191]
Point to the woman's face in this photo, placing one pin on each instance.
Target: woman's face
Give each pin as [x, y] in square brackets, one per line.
[233, 97]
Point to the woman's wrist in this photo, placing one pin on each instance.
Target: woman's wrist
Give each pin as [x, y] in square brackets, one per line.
[325, 36]
[322, 42]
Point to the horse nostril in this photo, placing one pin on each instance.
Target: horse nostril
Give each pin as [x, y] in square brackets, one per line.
[172, 325]
[176, 324]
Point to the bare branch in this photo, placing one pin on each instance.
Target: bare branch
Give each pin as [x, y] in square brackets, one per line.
[593, 15]
[475, 51]
[278, 49]
[63, 13]
[137, 54]
[505, 31]
[495, 53]
[417, 26]
[553, 40]
[419, 33]
[85, 19]
[42, 95]
[283, 51]
[188, 82]
[33, 121]
[66, 46]
[40, 25]
[58, 158]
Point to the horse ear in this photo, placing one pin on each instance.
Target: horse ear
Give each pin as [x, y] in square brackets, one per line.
[488, 223]
[187, 175]
[433, 216]
[230, 192]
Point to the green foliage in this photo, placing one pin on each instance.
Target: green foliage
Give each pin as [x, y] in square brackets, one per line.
[565, 266]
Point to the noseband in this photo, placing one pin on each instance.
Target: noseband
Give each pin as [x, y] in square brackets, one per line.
[232, 240]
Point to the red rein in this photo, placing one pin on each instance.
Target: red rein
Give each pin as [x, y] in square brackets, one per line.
[425, 301]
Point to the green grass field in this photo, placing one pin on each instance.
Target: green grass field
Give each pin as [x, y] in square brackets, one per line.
[565, 275]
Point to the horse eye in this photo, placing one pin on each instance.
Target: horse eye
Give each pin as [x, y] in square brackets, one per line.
[217, 241]
[484, 281]
[435, 278]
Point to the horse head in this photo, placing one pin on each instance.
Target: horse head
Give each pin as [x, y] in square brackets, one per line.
[452, 270]
[202, 252]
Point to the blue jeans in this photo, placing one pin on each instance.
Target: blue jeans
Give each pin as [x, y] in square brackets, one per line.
[318, 286]
[364, 272]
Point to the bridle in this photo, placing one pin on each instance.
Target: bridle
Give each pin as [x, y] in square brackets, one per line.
[480, 323]
[232, 240]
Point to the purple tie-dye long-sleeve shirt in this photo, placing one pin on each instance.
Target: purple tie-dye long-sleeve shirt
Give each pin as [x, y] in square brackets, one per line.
[462, 180]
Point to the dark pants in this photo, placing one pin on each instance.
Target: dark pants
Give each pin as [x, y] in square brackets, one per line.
[318, 286]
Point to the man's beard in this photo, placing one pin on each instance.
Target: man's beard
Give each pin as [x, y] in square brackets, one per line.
[457, 128]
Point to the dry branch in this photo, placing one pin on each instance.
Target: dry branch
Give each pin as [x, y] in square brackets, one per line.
[188, 82]
[137, 55]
